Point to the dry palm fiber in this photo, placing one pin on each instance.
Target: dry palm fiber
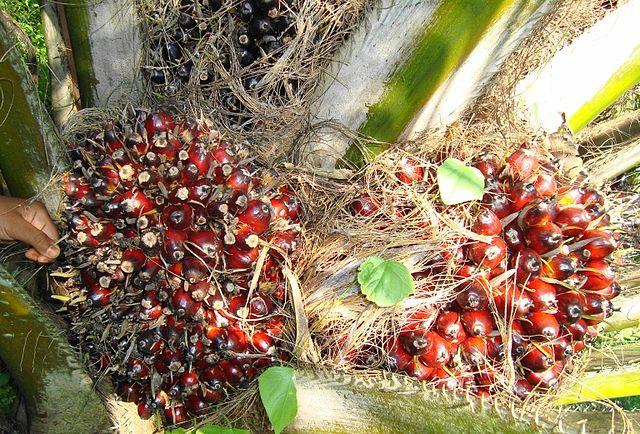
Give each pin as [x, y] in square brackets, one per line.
[267, 99]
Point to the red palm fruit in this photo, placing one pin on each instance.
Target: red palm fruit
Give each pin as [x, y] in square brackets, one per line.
[546, 379]
[130, 392]
[488, 254]
[178, 216]
[239, 259]
[571, 195]
[200, 290]
[213, 376]
[279, 208]
[176, 414]
[537, 213]
[416, 341]
[183, 304]
[473, 295]
[137, 369]
[487, 223]
[232, 372]
[171, 361]
[542, 326]
[560, 267]
[544, 238]
[206, 244]
[439, 352]
[602, 244]
[519, 341]
[596, 304]
[449, 326]
[529, 265]
[135, 203]
[217, 209]
[221, 156]
[488, 164]
[213, 396]
[260, 306]
[75, 189]
[159, 401]
[514, 237]
[201, 158]
[133, 260]
[98, 296]
[543, 295]
[522, 163]
[409, 171]
[363, 206]
[196, 405]
[239, 180]
[513, 303]
[577, 330]
[442, 379]
[294, 206]
[418, 370]
[144, 410]
[521, 194]
[262, 342]
[522, 388]
[189, 382]
[562, 348]
[257, 215]
[475, 350]
[477, 322]
[500, 205]
[398, 358]
[102, 231]
[610, 292]
[469, 270]
[110, 138]
[599, 275]
[159, 122]
[173, 245]
[536, 359]
[573, 220]
[237, 340]
[545, 185]
[194, 270]
[150, 342]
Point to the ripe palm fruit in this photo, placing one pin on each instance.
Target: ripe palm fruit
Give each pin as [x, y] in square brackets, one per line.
[488, 254]
[363, 206]
[174, 204]
[409, 171]
[487, 223]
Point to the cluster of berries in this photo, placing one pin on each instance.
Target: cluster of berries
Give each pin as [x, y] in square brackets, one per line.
[530, 292]
[175, 248]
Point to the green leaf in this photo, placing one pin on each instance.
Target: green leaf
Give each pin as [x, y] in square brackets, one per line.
[278, 393]
[217, 429]
[5, 377]
[459, 183]
[384, 282]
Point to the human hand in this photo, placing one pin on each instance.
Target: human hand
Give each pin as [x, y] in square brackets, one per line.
[30, 223]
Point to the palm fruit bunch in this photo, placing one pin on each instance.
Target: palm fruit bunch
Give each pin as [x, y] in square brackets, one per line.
[260, 31]
[175, 245]
[531, 287]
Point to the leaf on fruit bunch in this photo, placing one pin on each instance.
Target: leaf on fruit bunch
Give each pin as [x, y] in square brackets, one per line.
[278, 394]
[459, 183]
[384, 282]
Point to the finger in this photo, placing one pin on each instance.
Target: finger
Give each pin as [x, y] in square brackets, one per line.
[24, 231]
[36, 214]
[32, 254]
[44, 259]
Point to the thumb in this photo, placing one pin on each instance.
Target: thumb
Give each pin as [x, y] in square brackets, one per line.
[24, 231]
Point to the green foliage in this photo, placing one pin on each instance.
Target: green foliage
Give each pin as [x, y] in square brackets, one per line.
[277, 388]
[210, 429]
[7, 393]
[459, 183]
[384, 282]
[27, 15]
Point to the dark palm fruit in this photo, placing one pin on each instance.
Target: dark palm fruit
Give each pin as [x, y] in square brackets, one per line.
[521, 195]
[137, 369]
[130, 392]
[602, 244]
[175, 414]
[488, 254]
[173, 245]
[514, 237]
[157, 76]
[189, 382]
[178, 217]
[501, 205]
[598, 274]
[232, 372]
[449, 326]
[522, 163]
[415, 342]
[257, 215]
[246, 9]
[537, 359]
[543, 295]
[144, 410]
[99, 296]
[418, 370]
[477, 322]
[409, 171]
[488, 164]
[573, 220]
[544, 238]
[475, 350]
[542, 326]
[487, 223]
[184, 71]
[262, 341]
[171, 51]
[398, 358]
[239, 259]
[246, 56]
[206, 244]
[184, 304]
[560, 267]
[473, 295]
[528, 265]
[518, 339]
[363, 206]
[522, 388]
[194, 269]
[537, 213]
